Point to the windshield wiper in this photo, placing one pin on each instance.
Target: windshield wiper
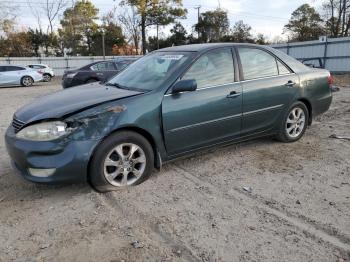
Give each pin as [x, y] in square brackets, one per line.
[125, 87]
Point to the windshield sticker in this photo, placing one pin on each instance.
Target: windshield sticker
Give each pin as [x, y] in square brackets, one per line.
[171, 57]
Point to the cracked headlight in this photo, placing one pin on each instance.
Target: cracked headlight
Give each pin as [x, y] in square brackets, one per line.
[45, 131]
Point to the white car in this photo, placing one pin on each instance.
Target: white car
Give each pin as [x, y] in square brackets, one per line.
[11, 75]
[45, 70]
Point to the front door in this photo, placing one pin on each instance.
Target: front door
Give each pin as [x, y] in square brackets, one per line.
[209, 115]
[268, 88]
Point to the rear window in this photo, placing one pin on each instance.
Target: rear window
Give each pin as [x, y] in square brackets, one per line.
[257, 63]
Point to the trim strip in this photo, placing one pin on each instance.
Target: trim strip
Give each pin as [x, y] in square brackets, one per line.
[204, 123]
[262, 109]
[224, 118]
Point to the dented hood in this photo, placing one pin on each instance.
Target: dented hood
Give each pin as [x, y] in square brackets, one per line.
[70, 100]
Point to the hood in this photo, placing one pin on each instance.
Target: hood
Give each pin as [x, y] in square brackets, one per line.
[70, 100]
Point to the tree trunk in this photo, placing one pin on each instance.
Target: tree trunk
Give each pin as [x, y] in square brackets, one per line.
[143, 33]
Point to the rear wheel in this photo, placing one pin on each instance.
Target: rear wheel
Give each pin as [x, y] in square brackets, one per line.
[294, 123]
[122, 160]
[47, 77]
[27, 81]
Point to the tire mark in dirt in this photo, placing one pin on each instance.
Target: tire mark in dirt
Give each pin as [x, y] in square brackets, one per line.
[306, 227]
[160, 235]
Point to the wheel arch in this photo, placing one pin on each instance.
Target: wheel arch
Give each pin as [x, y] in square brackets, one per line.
[308, 104]
[157, 159]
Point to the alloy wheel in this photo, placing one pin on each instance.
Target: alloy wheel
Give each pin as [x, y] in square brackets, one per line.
[295, 122]
[124, 164]
[27, 81]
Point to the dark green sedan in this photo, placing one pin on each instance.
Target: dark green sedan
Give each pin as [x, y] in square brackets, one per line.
[168, 104]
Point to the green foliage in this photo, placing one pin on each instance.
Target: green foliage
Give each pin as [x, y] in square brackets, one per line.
[156, 12]
[78, 27]
[212, 26]
[305, 24]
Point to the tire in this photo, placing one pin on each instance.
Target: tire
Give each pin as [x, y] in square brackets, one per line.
[27, 81]
[47, 77]
[294, 123]
[109, 171]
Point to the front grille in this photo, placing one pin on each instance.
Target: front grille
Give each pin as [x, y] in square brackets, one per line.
[17, 124]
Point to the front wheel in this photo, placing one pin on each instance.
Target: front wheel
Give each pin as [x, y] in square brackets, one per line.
[122, 160]
[27, 81]
[294, 123]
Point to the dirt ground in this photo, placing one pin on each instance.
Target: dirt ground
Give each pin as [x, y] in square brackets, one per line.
[195, 209]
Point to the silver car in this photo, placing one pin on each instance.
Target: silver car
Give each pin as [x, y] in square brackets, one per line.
[12, 75]
[45, 70]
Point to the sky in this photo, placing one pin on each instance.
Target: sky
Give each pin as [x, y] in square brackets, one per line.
[264, 16]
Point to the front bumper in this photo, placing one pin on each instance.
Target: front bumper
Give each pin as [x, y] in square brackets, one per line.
[68, 158]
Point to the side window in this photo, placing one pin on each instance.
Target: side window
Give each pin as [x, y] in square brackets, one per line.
[257, 63]
[282, 69]
[2, 69]
[103, 66]
[123, 64]
[14, 68]
[212, 68]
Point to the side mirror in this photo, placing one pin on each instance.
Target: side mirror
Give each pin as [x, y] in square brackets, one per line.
[184, 86]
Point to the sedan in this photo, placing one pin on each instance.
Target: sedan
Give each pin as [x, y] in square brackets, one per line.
[170, 103]
[11, 75]
[95, 72]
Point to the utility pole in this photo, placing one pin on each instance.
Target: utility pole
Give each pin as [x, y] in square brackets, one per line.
[103, 44]
[198, 16]
[344, 11]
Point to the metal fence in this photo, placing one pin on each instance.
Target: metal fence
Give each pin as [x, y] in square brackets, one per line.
[332, 53]
[59, 64]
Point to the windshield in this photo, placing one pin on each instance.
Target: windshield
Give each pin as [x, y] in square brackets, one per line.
[151, 71]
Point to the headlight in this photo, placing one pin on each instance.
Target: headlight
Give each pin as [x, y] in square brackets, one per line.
[44, 131]
[71, 75]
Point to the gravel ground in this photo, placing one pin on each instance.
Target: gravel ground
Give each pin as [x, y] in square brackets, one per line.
[196, 209]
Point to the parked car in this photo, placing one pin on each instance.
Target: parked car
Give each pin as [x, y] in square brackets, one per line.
[45, 70]
[12, 75]
[168, 104]
[95, 72]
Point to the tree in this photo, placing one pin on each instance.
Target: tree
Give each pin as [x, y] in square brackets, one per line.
[130, 22]
[337, 18]
[7, 16]
[305, 24]
[261, 40]
[212, 25]
[78, 27]
[240, 33]
[113, 37]
[52, 9]
[178, 35]
[156, 12]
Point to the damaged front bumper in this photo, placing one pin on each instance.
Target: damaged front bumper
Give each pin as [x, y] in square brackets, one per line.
[58, 161]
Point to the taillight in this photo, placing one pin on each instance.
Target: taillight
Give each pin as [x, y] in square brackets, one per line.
[330, 80]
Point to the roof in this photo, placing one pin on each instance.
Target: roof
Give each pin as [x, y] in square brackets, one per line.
[201, 47]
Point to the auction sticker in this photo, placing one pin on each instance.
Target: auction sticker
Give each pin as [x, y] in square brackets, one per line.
[171, 57]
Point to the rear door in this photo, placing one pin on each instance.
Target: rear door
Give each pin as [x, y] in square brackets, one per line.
[104, 70]
[12, 75]
[269, 86]
[209, 115]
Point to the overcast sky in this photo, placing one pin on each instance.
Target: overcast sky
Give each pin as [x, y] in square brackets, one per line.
[265, 16]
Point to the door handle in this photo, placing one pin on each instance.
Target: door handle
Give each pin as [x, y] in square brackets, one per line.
[290, 83]
[233, 94]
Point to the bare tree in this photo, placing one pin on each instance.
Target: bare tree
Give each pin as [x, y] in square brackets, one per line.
[7, 16]
[337, 17]
[48, 8]
[130, 22]
[52, 9]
